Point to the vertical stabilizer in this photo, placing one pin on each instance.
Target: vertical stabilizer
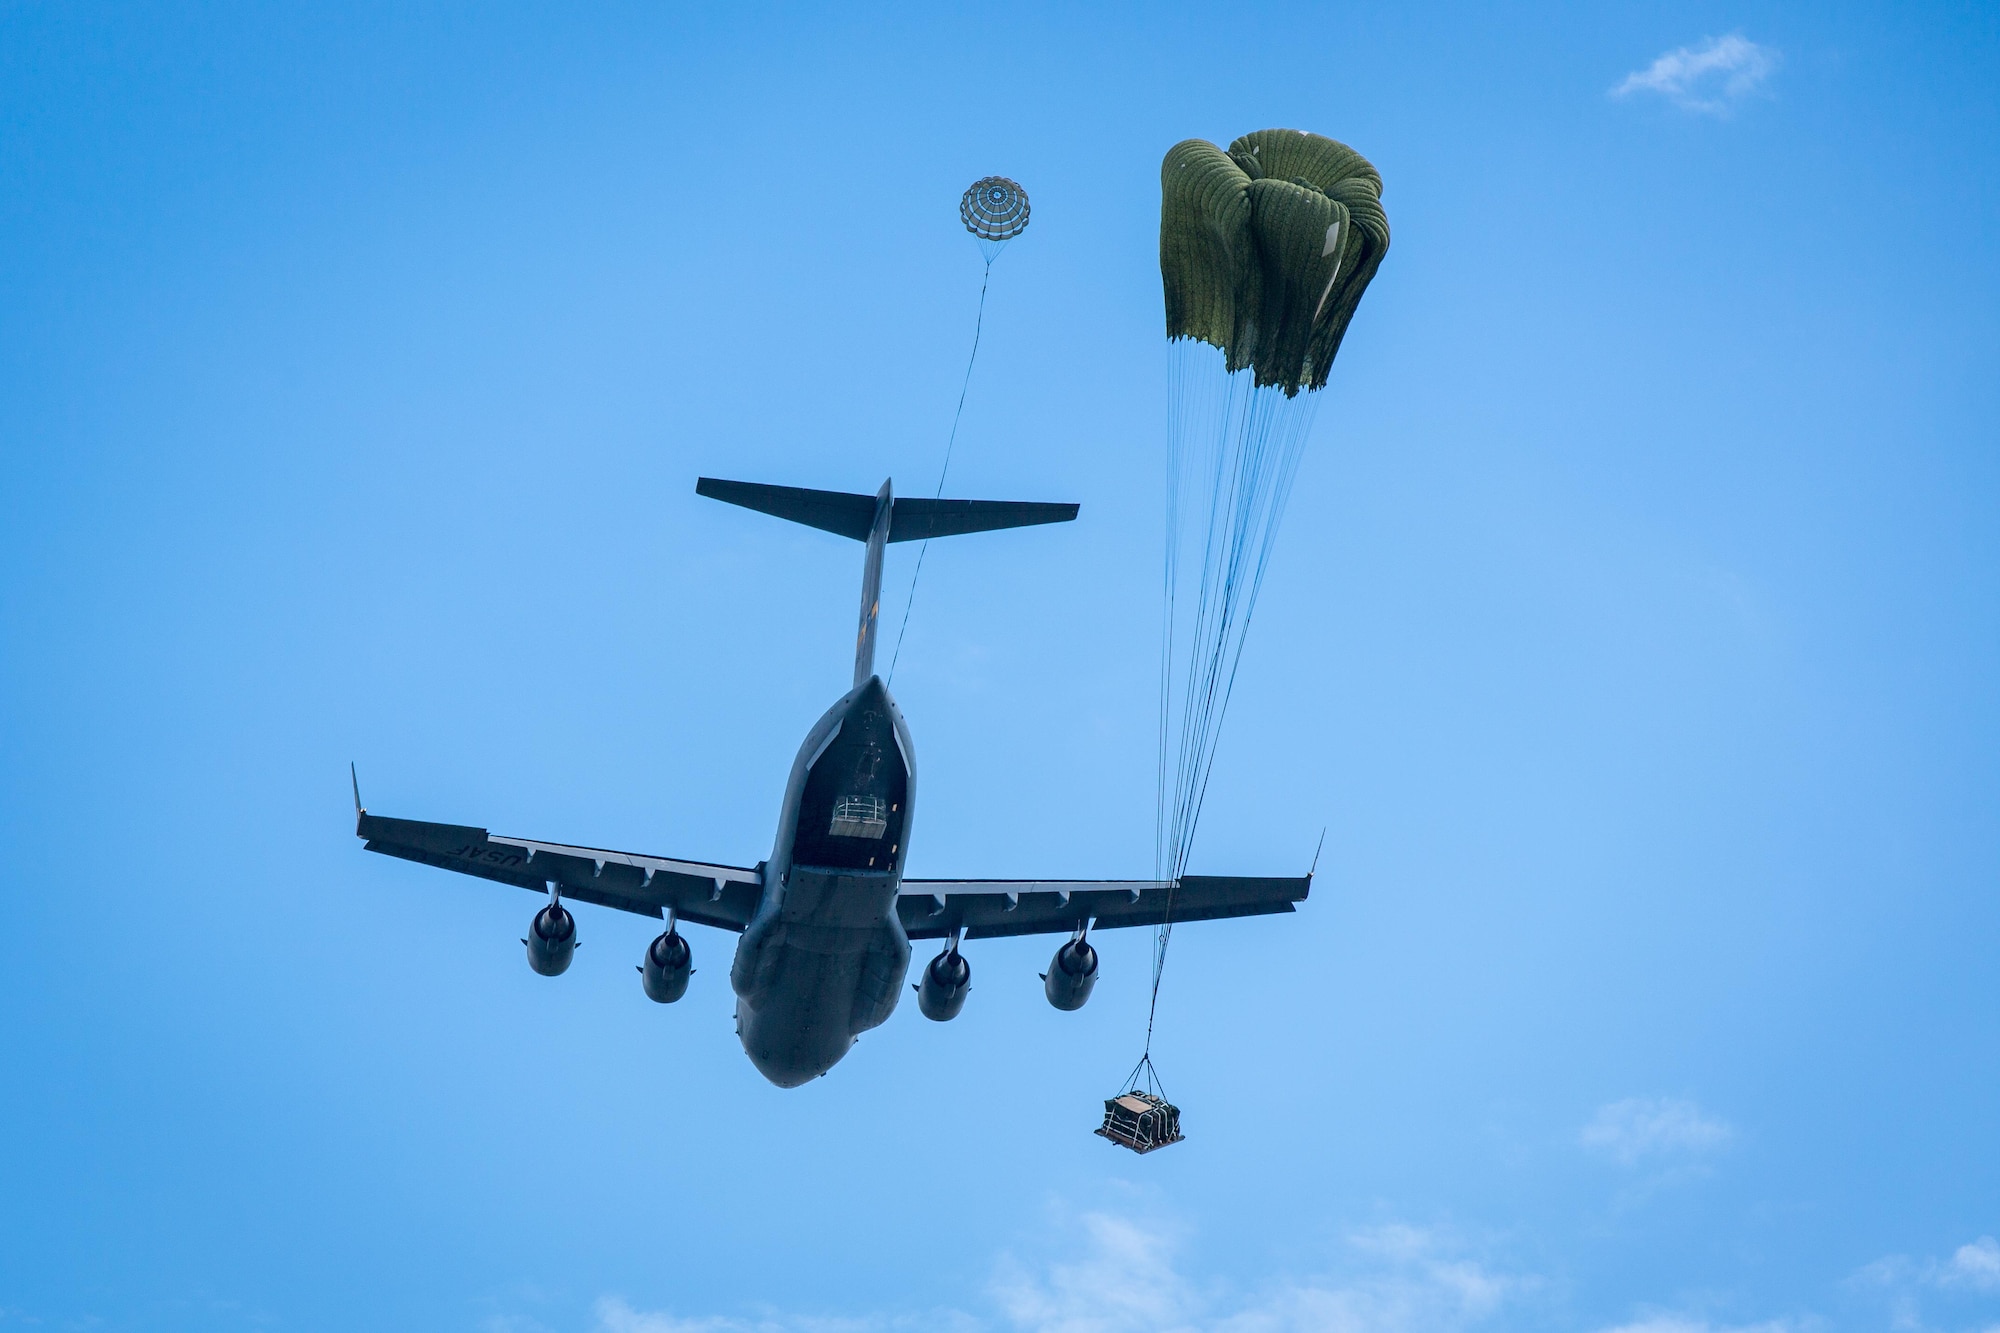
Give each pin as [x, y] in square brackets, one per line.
[871, 586]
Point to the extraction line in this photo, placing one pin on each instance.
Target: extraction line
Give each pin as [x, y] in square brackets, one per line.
[978, 325]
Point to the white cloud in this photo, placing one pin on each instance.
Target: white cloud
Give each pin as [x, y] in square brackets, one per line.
[617, 1316]
[1123, 1279]
[1711, 77]
[1398, 1279]
[1976, 1265]
[1640, 1127]
[1118, 1275]
[1901, 1280]
[1676, 1323]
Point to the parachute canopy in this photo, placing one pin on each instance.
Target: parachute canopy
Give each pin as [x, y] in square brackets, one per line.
[1266, 249]
[994, 208]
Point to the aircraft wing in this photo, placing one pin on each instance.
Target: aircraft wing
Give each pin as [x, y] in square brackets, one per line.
[930, 908]
[712, 895]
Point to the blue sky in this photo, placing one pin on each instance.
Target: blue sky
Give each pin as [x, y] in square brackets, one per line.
[1632, 635]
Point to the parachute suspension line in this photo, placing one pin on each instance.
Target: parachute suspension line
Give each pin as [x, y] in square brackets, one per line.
[1233, 454]
[1151, 1076]
[1193, 404]
[1266, 435]
[995, 210]
[951, 440]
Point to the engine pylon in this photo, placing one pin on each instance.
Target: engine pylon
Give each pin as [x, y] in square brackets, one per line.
[947, 977]
[551, 938]
[669, 963]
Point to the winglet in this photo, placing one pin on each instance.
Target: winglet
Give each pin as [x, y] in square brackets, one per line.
[355, 778]
[1310, 872]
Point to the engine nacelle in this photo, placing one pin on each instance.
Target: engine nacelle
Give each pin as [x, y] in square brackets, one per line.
[551, 940]
[941, 994]
[1071, 975]
[669, 963]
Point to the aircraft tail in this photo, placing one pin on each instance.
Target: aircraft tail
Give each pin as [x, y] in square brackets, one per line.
[877, 520]
[852, 515]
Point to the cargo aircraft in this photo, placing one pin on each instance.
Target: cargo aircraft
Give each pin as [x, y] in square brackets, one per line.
[826, 921]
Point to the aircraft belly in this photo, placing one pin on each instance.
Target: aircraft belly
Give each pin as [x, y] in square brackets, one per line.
[798, 1028]
[813, 989]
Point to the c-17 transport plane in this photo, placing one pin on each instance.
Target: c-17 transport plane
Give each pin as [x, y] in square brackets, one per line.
[826, 922]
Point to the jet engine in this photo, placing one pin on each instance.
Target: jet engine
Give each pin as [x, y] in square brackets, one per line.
[941, 994]
[1071, 974]
[669, 963]
[551, 940]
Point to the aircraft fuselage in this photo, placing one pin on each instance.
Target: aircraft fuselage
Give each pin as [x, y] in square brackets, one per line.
[825, 957]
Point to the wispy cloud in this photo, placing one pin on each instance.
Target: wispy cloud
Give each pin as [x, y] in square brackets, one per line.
[1394, 1279]
[1712, 77]
[1637, 1128]
[514, 1323]
[1123, 1278]
[1976, 1265]
[1901, 1281]
[1120, 1275]
[615, 1315]
[1681, 1323]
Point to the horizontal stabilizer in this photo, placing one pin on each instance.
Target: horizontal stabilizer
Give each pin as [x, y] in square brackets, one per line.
[910, 520]
[917, 520]
[829, 511]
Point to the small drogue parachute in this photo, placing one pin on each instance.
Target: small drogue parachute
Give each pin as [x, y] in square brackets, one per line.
[995, 210]
[1265, 251]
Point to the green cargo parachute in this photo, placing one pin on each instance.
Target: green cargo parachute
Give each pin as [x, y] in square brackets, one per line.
[1266, 249]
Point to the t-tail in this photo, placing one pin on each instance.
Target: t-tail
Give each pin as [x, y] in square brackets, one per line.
[877, 520]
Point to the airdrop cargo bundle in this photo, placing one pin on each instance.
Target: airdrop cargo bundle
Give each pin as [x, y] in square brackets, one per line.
[1140, 1121]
